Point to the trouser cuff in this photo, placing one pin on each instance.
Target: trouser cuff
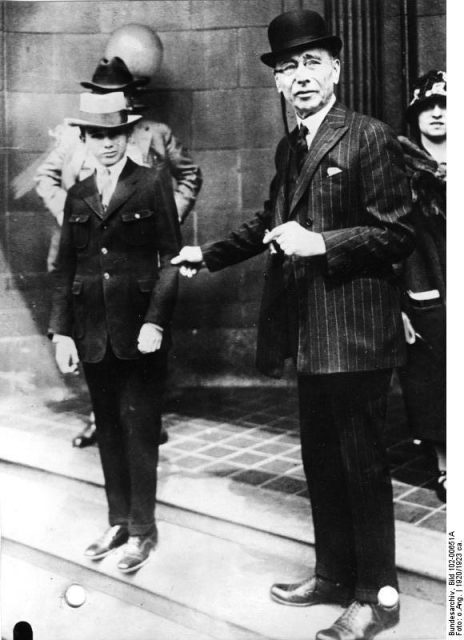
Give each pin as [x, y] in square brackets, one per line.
[370, 595]
[143, 529]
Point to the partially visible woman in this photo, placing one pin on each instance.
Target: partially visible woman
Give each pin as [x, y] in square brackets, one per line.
[424, 272]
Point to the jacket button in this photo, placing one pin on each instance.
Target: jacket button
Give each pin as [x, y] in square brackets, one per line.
[104, 250]
[106, 275]
[308, 223]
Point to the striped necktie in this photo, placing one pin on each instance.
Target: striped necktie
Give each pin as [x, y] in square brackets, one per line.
[301, 147]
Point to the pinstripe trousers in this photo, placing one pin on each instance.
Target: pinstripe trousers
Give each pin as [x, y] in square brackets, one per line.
[342, 417]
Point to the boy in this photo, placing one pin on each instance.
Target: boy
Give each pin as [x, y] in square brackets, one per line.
[152, 144]
[113, 299]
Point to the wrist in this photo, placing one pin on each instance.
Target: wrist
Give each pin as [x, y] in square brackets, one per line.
[321, 248]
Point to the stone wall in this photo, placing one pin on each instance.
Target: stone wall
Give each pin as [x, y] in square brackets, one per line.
[220, 101]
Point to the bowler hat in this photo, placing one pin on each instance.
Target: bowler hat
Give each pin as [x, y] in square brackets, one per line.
[113, 75]
[103, 111]
[296, 29]
[428, 88]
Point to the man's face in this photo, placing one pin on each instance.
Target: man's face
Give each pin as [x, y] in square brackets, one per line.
[108, 146]
[432, 121]
[307, 79]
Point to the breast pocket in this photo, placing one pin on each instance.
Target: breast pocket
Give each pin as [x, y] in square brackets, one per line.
[80, 229]
[138, 227]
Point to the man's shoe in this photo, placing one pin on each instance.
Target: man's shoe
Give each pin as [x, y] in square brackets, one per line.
[112, 538]
[136, 553]
[88, 435]
[314, 590]
[361, 621]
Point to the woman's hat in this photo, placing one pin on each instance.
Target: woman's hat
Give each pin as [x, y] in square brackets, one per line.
[113, 75]
[427, 89]
[297, 29]
[105, 111]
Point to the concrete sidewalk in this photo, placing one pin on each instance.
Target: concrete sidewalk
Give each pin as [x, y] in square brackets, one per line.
[234, 517]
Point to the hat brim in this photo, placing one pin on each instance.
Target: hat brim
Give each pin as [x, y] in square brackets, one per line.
[77, 122]
[421, 105]
[93, 86]
[332, 43]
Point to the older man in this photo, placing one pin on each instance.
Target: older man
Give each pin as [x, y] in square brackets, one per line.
[336, 219]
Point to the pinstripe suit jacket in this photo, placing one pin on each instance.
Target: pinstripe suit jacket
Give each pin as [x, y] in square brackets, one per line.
[353, 190]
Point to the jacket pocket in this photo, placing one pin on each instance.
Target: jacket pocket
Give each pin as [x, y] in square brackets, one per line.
[80, 227]
[139, 226]
[79, 315]
[146, 285]
[141, 294]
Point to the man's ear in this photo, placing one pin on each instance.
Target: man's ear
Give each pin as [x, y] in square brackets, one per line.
[277, 81]
[336, 70]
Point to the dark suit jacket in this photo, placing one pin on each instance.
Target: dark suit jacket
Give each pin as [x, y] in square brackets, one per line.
[113, 270]
[348, 304]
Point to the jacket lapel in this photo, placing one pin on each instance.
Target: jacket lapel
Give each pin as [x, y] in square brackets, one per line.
[280, 206]
[329, 133]
[88, 191]
[124, 188]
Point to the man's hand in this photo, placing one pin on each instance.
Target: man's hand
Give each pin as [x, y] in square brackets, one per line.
[409, 333]
[295, 240]
[66, 354]
[190, 260]
[150, 338]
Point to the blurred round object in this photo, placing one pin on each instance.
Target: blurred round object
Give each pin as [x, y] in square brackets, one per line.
[140, 48]
[388, 597]
[75, 595]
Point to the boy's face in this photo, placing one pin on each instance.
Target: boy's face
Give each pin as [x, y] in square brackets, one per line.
[107, 145]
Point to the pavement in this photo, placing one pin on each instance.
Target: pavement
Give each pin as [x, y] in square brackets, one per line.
[233, 515]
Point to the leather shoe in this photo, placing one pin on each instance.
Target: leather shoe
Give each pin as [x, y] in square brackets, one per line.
[88, 435]
[136, 552]
[113, 537]
[314, 590]
[361, 621]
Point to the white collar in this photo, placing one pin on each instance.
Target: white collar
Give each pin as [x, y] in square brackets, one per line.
[115, 170]
[314, 121]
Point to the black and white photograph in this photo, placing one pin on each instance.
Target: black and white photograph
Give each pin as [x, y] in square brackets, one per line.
[223, 331]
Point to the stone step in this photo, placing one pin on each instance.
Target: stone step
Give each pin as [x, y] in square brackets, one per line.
[36, 594]
[286, 516]
[208, 582]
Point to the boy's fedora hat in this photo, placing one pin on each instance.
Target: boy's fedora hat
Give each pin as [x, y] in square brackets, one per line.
[296, 29]
[103, 111]
[113, 75]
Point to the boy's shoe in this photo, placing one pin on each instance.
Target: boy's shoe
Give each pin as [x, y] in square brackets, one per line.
[136, 552]
[112, 538]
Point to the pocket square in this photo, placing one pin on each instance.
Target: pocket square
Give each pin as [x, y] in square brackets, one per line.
[331, 171]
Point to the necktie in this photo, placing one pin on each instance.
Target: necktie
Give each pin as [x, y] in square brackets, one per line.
[104, 186]
[301, 147]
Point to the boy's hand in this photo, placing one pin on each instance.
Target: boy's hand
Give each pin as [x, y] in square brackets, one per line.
[190, 260]
[66, 354]
[150, 338]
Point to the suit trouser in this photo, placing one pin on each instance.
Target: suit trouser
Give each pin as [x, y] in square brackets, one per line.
[342, 419]
[126, 397]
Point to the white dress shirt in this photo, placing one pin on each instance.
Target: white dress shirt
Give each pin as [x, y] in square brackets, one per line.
[314, 121]
[107, 179]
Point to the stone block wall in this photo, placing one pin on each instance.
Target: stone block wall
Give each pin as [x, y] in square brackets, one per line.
[220, 101]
